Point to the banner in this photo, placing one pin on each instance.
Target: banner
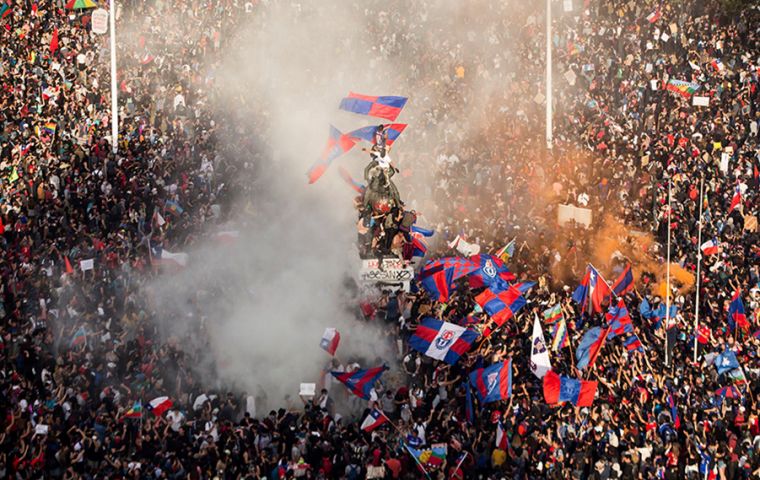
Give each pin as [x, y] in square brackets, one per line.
[394, 271]
[565, 213]
[539, 354]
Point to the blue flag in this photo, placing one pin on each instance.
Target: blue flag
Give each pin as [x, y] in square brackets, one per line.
[726, 361]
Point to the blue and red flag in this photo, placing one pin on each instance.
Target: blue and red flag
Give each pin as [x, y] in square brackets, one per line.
[592, 292]
[469, 410]
[368, 133]
[657, 315]
[419, 247]
[388, 107]
[357, 186]
[736, 315]
[674, 411]
[493, 383]
[426, 232]
[337, 145]
[501, 306]
[590, 346]
[633, 344]
[619, 320]
[437, 282]
[558, 389]
[728, 392]
[624, 283]
[490, 270]
[442, 340]
[524, 286]
[437, 276]
[360, 382]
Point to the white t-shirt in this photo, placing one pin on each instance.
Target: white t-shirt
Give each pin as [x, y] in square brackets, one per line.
[384, 162]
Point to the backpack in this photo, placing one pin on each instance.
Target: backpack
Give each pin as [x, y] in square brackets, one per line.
[407, 220]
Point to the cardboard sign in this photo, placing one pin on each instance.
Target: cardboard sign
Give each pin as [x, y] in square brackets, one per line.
[308, 390]
[100, 21]
[570, 77]
[565, 213]
[700, 101]
[88, 264]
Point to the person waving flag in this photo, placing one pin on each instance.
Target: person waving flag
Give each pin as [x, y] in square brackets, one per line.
[592, 292]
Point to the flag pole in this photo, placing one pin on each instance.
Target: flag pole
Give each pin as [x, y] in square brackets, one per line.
[549, 139]
[459, 464]
[667, 292]
[114, 86]
[699, 266]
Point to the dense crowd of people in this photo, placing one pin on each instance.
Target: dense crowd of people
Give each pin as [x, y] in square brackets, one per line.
[82, 228]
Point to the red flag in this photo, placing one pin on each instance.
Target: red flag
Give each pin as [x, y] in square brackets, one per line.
[68, 265]
[54, 41]
[735, 201]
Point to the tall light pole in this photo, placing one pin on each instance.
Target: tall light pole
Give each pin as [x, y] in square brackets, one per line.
[549, 139]
[114, 85]
[667, 284]
[699, 265]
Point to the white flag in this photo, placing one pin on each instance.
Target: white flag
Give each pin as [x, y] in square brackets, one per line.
[179, 258]
[539, 354]
[465, 248]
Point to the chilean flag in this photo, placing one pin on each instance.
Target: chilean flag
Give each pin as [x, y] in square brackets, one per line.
[330, 340]
[592, 290]
[502, 441]
[735, 201]
[373, 420]
[337, 145]
[501, 306]
[736, 315]
[565, 389]
[442, 340]
[159, 405]
[654, 16]
[493, 383]
[388, 107]
[360, 382]
[710, 247]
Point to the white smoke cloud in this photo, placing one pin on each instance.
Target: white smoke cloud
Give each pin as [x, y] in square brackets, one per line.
[269, 297]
